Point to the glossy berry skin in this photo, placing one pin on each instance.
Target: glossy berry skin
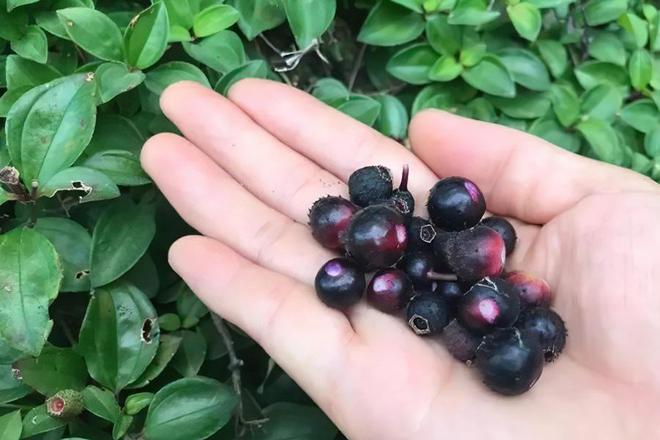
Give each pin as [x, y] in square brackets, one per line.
[418, 266]
[428, 314]
[455, 203]
[460, 342]
[340, 283]
[506, 230]
[509, 361]
[450, 290]
[475, 253]
[370, 185]
[403, 201]
[376, 237]
[389, 290]
[548, 327]
[487, 305]
[533, 291]
[421, 234]
[328, 218]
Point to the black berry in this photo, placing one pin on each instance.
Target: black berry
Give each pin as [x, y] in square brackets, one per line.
[421, 234]
[548, 327]
[450, 290]
[418, 266]
[389, 290]
[329, 218]
[509, 361]
[340, 283]
[533, 291]
[370, 185]
[506, 230]
[402, 199]
[456, 203]
[474, 253]
[428, 314]
[460, 342]
[489, 304]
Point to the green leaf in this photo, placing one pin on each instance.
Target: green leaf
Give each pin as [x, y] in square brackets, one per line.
[525, 105]
[652, 142]
[442, 36]
[31, 275]
[94, 32]
[602, 102]
[362, 108]
[309, 19]
[554, 55]
[181, 13]
[169, 344]
[50, 126]
[636, 26]
[121, 236]
[191, 354]
[90, 184]
[214, 19]
[137, 402]
[121, 426]
[482, 109]
[13, 4]
[144, 276]
[169, 73]
[50, 22]
[258, 16]
[389, 24]
[526, 68]
[10, 387]
[603, 140]
[101, 403]
[287, 421]
[471, 13]
[72, 243]
[542, 4]
[597, 12]
[526, 19]
[121, 166]
[331, 91]
[119, 335]
[21, 72]
[189, 307]
[490, 76]
[37, 421]
[593, 73]
[189, 408]
[642, 115]
[445, 69]
[221, 52]
[413, 64]
[54, 370]
[607, 47]
[12, 24]
[551, 131]
[640, 68]
[393, 118]
[113, 79]
[565, 104]
[413, 5]
[32, 45]
[251, 69]
[11, 426]
[146, 36]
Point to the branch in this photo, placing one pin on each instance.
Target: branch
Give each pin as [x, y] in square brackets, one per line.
[356, 67]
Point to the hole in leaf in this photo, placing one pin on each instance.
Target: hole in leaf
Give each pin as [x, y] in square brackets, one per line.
[81, 274]
[147, 327]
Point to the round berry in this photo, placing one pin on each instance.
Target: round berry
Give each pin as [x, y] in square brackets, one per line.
[460, 342]
[418, 266]
[420, 234]
[428, 314]
[533, 291]
[340, 283]
[487, 305]
[389, 290]
[475, 253]
[506, 230]
[376, 237]
[450, 290]
[509, 361]
[370, 185]
[329, 218]
[456, 203]
[548, 327]
[402, 199]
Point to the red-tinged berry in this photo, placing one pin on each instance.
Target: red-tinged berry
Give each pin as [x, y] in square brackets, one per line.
[475, 253]
[506, 230]
[460, 342]
[455, 203]
[428, 314]
[370, 185]
[340, 283]
[533, 291]
[489, 304]
[389, 290]
[548, 327]
[328, 218]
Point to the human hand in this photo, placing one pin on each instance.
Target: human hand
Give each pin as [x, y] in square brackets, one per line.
[252, 166]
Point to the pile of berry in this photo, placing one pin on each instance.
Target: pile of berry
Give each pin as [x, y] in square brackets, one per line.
[446, 272]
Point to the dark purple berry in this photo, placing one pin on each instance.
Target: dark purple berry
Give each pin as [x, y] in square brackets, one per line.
[489, 304]
[450, 290]
[548, 327]
[533, 291]
[340, 283]
[441, 248]
[456, 203]
[460, 342]
[376, 237]
[506, 230]
[428, 314]
[402, 199]
[509, 361]
[370, 185]
[389, 290]
[420, 234]
[475, 253]
[329, 218]
[418, 266]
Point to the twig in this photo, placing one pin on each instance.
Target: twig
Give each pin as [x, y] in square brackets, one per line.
[68, 334]
[356, 67]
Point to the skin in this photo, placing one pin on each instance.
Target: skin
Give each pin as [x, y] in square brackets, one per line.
[245, 175]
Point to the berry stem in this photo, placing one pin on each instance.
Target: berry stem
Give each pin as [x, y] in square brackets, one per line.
[432, 275]
[404, 178]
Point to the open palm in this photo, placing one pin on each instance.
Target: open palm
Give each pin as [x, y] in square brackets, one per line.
[253, 164]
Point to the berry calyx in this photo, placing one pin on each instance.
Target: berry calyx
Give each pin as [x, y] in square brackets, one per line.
[428, 314]
[548, 327]
[340, 283]
[402, 199]
[456, 203]
[328, 218]
[421, 234]
[370, 185]
[474, 253]
[389, 290]
[489, 304]
[533, 291]
[506, 230]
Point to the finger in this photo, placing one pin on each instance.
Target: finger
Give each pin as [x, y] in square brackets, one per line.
[521, 175]
[308, 340]
[276, 174]
[330, 138]
[213, 203]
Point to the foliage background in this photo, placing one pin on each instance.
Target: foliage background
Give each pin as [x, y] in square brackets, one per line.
[88, 302]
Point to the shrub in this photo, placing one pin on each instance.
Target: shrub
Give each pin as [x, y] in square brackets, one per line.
[94, 325]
